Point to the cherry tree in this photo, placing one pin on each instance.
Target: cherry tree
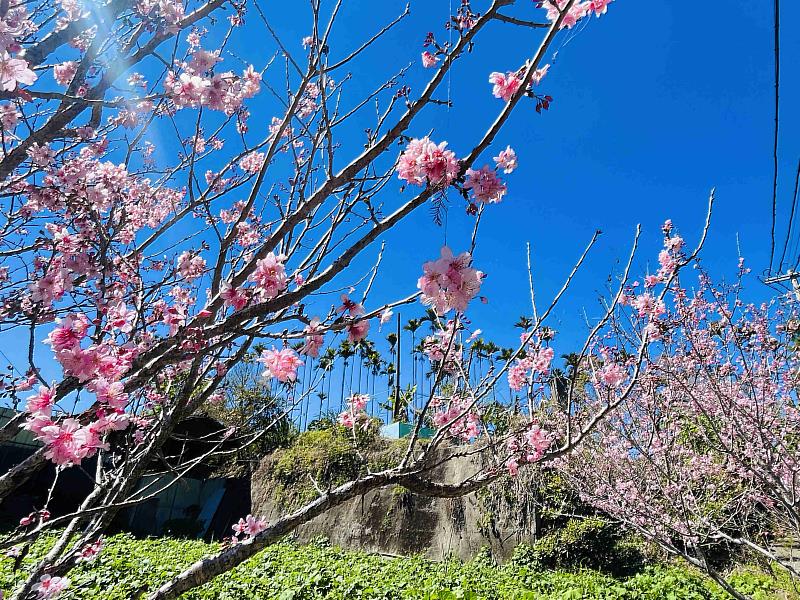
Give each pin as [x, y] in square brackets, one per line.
[703, 452]
[151, 265]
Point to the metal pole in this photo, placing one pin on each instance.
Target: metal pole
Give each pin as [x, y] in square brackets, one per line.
[395, 416]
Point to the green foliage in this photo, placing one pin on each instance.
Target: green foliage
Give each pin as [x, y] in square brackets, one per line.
[285, 571]
[258, 416]
[328, 457]
[588, 543]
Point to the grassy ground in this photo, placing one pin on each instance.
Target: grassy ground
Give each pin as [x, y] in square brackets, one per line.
[289, 572]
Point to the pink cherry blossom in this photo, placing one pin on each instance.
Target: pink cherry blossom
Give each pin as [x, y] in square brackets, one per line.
[429, 60]
[41, 155]
[459, 416]
[612, 375]
[537, 441]
[449, 282]
[64, 72]
[50, 587]
[90, 551]
[504, 86]
[14, 71]
[485, 185]
[518, 375]
[506, 160]
[191, 266]
[41, 402]
[69, 332]
[575, 14]
[513, 467]
[346, 419]
[314, 339]
[355, 411]
[234, 297]
[252, 162]
[68, 443]
[269, 276]
[110, 393]
[357, 330]
[599, 7]
[423, 162]
[351, 307]
[280, 364]
[254, 525]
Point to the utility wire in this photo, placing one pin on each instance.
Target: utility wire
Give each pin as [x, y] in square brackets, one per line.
[791, 219]
[776, 5]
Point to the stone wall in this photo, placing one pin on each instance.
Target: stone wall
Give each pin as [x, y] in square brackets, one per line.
[395, 521]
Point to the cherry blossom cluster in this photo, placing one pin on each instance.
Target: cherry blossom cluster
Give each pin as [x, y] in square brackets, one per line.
[648, 304]
[269, 276]
[449, 282]
[35, 517]
[50, 587]
[505, 85]
[459, 415]
[424, 162]
[90, 551]
[705, 444]
[280, 364]
[533, 367]
[527, 448]
[15, 24]
[314, 339]
[485, 185]
[248, 527]
[69, 441]
[357, 328]
[614, 371]
[578, 11]
[355, 411]
[197, 85]
[442, 349]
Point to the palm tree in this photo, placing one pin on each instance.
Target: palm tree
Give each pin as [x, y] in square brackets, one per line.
[559, 386]
[412, 326]
[326, 363]
[374, 363]
[345, 351]
[524, 323]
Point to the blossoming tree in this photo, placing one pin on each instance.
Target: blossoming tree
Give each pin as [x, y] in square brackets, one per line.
[703, 452]
[150, 269]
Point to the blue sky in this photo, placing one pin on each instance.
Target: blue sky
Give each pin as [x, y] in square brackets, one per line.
[654, 104]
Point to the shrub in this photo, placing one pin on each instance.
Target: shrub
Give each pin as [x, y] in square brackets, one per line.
[583, 543]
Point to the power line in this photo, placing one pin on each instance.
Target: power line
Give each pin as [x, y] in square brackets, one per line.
[776, 5]
[791, 222]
